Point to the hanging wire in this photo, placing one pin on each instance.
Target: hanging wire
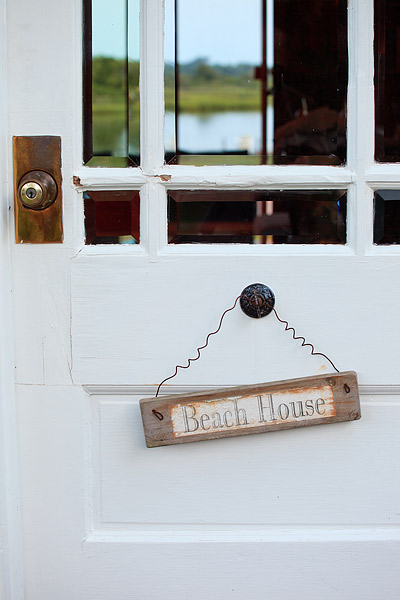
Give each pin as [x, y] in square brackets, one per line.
[190, 360]
[304, 342]
[257, 305]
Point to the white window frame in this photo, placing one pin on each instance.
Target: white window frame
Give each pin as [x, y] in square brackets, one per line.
[360, 176]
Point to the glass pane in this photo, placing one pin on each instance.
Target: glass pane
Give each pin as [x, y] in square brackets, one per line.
[112, 217]
[387, 80]
[111, 83]
[256, 82]
[387, 217]
[257, 217]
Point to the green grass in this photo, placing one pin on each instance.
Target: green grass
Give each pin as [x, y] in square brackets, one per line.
[108, 107]
[197, 99]
[215, 98]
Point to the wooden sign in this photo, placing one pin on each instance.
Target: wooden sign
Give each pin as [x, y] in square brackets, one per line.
[250, 409]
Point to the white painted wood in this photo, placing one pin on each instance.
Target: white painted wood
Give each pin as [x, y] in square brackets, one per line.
[247, 534]
[361, 119]
[383, 251]
[150, 390]
[114, 179]
[152, 85]
[262, 177]
[386, 176]
[273, 472]
[358, 327]
[11, 580]
[260, 250]
[351, 546]
[315, 513]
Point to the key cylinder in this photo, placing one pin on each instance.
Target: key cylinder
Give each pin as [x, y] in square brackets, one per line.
[37, 190]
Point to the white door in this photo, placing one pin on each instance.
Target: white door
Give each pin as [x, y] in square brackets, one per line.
[310, 513]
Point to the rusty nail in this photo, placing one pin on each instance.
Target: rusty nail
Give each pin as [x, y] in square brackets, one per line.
[157, 414]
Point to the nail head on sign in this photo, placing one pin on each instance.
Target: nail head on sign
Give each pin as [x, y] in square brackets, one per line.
[257, 300]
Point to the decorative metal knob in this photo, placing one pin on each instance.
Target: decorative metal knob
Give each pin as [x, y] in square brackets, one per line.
[257, 300]
[37, 190]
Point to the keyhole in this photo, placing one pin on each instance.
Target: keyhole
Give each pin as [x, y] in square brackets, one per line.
[31, 193]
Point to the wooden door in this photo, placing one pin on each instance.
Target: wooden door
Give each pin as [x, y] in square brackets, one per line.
[309, 513]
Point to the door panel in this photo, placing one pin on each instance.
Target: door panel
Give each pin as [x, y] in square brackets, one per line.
[293, 529]
[302, 481]
[309, 513]
[130, 328]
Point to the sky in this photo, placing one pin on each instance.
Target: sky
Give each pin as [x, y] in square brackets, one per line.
[109, 28]
[222, 31]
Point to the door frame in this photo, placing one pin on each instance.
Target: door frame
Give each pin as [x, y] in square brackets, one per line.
[11, 574]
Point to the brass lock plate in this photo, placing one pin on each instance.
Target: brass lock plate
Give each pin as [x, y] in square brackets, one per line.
[37, 164]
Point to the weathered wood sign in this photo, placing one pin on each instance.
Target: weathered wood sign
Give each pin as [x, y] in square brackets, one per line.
[250, 409]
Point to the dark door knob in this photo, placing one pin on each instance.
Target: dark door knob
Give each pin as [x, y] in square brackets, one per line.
[37, 190]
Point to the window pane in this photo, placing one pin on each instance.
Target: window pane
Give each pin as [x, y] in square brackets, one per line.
[112, 217]
[387, 80]
[111, 82]
[387, 217]
[259, 82]
[257, 217]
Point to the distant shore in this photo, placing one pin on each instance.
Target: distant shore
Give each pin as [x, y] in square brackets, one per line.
[203, 88]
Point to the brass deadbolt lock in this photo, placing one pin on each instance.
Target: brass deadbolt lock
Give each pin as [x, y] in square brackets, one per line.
[37, 190]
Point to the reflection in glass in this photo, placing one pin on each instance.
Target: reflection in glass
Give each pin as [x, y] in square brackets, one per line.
[111, 82]
[257, 217]
[387, 217]
[112, 217]
[256, 82]
[387, 81]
